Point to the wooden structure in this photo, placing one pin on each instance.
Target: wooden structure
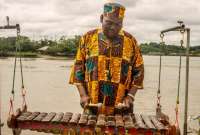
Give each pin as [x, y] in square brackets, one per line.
[74, 124]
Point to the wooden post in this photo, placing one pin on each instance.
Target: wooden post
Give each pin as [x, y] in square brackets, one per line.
[186, 82]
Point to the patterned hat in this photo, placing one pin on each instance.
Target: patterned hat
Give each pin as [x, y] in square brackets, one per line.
[114, 10]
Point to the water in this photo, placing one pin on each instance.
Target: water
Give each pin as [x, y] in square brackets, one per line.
[48, 90]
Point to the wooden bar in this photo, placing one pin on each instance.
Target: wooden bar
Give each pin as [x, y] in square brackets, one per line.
[40, 116]
[157, 123]
[75, 118]
[58, 117]
[55, 125]
[32, 116]
[110, 125]
[110, 121]
[83, 119]
[101, 121]
[46, 122]
[148, 122]
[128, 122]
[92, 120]
[49, 117]
[37, 122]
[23, 116]
[139, 122]
[119, 121]
[66, 118]
[73, 123]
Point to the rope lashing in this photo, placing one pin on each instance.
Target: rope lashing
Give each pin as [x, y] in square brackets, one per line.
[160, 67]
[11, 110]
[17, 48]
[179, 79]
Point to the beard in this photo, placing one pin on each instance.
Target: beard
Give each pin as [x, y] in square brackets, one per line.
[111, 34]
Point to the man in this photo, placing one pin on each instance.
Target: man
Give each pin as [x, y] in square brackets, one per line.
[108, 67]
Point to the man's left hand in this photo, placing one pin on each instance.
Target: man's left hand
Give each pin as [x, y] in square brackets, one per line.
[128, 101]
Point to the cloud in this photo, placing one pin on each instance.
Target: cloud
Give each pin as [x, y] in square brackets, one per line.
[77, 8]
[24, 2]
[144, 18]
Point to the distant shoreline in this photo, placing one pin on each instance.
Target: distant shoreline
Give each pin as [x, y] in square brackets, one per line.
[49, 57]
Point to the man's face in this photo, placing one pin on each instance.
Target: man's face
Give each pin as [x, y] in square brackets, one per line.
[111, 26]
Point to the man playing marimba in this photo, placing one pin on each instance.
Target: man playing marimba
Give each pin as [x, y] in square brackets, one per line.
[108, 68]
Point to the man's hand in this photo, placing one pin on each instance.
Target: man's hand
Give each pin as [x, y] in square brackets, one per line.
[128, 101]
[84, 100]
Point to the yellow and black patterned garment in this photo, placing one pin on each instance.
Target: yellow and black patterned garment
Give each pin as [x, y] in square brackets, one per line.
[108, 69]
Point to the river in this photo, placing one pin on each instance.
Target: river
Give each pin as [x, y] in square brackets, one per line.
[46, 83]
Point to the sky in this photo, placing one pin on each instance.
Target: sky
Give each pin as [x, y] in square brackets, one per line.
[144, 19]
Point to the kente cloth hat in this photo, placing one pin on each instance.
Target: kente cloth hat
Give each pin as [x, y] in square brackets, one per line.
[114, 10]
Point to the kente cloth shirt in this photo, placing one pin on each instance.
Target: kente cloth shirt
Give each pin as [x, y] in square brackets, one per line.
[107, 69]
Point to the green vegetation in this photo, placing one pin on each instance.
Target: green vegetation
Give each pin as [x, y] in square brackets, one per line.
[155, 49]
[30, 48]
[68, 47]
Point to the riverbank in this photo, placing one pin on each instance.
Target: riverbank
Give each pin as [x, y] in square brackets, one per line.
[57, 57]
[37, 55]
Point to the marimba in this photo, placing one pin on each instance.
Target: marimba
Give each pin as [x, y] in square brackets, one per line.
[83, 124]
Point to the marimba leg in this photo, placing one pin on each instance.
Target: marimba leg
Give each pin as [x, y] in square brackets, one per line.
[132, 132]
[65, 132]
[99, 131]
[121, 131]
[173, 130]
[72, 131]
[158, 133]
[149, 133]
[86, 131]
[16, 131]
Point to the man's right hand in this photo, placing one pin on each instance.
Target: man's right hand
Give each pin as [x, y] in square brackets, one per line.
[84, 98]
[84, 101]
